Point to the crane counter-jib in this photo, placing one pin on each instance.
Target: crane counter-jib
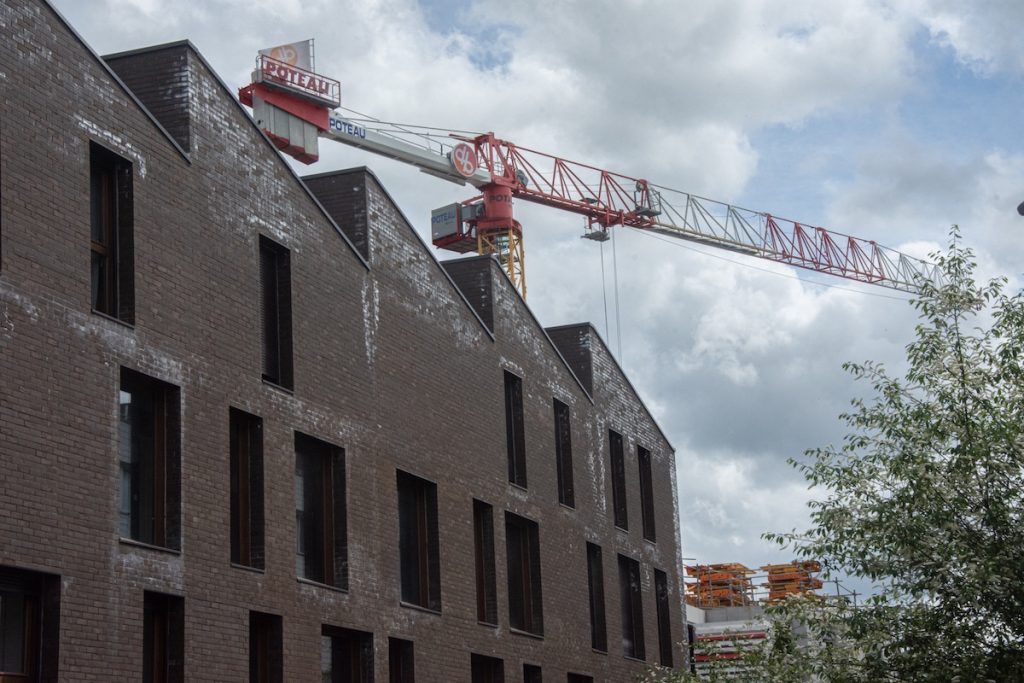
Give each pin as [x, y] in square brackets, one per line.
[427, 160]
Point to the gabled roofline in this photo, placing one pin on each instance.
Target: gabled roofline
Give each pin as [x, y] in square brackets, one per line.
[541, 328]
[405, 219]
[622, 373]
[110, 72]
[233, 98]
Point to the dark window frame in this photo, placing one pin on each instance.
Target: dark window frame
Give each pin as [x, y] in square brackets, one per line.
[617, 457]
[418, 542]
[595, 591]
[163, 638]
[664, 618]
[29, 625]
[485, 669]
[321, 544]
[563, 454]
[152, 470]
[532, 673]
[522, 551]
[631, 606]
[111, 243]
[401, 661]
[485, 570]
[515, 434]
[246, 475]
[643, 457]
[276, 313]
[348, 647]
[266, 648]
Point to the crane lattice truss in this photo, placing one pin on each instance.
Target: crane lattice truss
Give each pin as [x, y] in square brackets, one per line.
[608, 199]
[295, 111]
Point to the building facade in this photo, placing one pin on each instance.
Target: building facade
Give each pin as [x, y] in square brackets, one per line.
[251, 429]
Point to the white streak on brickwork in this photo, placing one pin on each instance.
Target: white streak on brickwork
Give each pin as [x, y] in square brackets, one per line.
[371, 319]
[275, 231]
[119, 143]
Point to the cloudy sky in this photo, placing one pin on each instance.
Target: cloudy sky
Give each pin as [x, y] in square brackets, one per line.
[888, 120]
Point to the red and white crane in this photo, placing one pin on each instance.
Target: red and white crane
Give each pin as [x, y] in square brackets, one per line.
[296, 107]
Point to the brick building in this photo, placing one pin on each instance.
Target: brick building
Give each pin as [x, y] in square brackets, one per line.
[250, 428]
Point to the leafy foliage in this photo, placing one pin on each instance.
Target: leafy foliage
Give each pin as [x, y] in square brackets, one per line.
[927, 492]
[925, 499]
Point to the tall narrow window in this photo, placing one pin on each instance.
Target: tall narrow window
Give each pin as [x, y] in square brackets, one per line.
[346, 656]
[163, 638]
[563, 454]
[485, 669]
[532, 674]
[522, 545]
[595, 584]
[418, 545]
[150, 462]
[112, 246]
[514, 430]
[266, 663]
[29, 625]
[246, 489]
[643, 457]
[486, 580]
[321, 551]
[401, 661]
[618, 479]
[664, 618]
[276, 313]
[631, 608]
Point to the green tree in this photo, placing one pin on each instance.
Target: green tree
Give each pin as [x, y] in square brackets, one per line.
[926, 494]
[924, 498]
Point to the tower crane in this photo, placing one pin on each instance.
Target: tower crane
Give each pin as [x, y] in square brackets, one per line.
[296, 107]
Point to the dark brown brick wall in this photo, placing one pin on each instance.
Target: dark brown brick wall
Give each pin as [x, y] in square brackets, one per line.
[391, 364]
[160, 79]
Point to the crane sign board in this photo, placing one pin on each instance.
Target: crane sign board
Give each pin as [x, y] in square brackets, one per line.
[445, 221]
[463, 159]
[293, 54]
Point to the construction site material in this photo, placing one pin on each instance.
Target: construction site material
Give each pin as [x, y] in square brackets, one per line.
[719, 585]
[794, 578]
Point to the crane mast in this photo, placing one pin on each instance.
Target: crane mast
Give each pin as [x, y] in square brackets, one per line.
[295, 107]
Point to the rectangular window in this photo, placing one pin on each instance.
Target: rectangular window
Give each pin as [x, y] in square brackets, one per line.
[163, 638]
[664, 618]
[514, 430]
[266, 662]
[418, 546]
[401, 663]
[579, 678]
[486, 577]
[595, 584]
[486, 669]
[643, 457]
[246, 443]
[321, 549]
[150, 460]
[522, 545]
[276, 313]
[111, 219]
[346, 656]
[532, 674]
[29, 625]
[631, 608]
[618, 479]
[563, 454]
